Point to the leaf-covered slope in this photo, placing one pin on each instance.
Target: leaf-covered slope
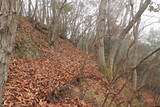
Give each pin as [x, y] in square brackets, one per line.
[31, 79]
[43, 77]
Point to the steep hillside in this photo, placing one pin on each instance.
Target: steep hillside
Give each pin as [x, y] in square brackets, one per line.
[40, 76]
[36, 70]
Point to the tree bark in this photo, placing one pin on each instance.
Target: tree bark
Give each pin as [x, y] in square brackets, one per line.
[44, 11]
[54, 27]
[135, 41]
[100, 31]
[29, 8]
[35, 11]
[7, 38]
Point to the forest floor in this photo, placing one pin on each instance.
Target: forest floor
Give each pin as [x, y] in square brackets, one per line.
[43, 77]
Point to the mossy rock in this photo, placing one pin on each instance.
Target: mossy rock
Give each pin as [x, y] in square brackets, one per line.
[25, 47]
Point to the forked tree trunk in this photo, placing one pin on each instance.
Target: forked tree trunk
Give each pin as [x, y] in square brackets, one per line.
[7, 38]
[35, 11]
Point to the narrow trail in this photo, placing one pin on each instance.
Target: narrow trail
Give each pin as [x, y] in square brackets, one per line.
[29, 79]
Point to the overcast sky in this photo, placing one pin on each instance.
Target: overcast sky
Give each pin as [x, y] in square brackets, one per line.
[150, 17]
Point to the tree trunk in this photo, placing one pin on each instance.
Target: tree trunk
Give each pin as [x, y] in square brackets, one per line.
[44, 11]
[100, 31]
[54, 28]
[35, 11]
[135, 34]
[47, 12]
[29, 8]
[7, 35]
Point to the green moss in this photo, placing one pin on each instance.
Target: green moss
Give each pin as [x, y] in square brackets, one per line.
[106, 72]
[25, 47]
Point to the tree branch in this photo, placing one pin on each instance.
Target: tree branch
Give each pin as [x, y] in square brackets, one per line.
[145, 58]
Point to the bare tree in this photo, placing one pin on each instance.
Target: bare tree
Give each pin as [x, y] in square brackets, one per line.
[125, 31]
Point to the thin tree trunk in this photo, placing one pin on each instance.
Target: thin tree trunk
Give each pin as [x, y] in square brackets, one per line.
[135, 34]
[29, 8]
[35, 10]
[47, 12]
[44, 11]
[101, 32]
